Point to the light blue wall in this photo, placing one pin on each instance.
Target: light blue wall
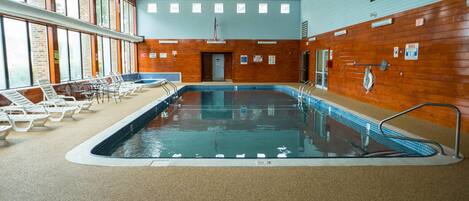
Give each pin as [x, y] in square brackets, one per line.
[188, 25]
[327, 15]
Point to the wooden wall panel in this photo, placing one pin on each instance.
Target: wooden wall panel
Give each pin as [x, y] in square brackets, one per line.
[440, 75]
[188, 59]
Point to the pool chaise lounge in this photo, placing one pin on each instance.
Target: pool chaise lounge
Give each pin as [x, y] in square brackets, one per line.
[4, 129]
[57, 112]
[50, 94]
[16, 117]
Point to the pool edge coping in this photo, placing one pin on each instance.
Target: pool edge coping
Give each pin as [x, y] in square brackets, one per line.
[81, 154]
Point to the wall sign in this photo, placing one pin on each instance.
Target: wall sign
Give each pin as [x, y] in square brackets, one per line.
[412, 51]
[163, 55]
[244, 59]
[257, 59]
[396, 52]
[152, 55]
[271, 59]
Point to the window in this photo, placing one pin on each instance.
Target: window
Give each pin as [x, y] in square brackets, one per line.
[3, 79]
[103, 13]
[241, 8]
[125, 57]
[127, 17]
[196, 8]
[263, 8]
[85, 10]
[74, 47]
[114, 66]
[100, 57]
[70, 63]
[17, 54]
[285, 8]
[72, 9]
[218, 7]
[151, 8]
[174, 8]
[86, 55]
[60, 7]
[37, 3]
[107, 56]
[133, 67]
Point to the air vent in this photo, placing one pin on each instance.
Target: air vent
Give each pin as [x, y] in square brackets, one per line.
[304, 29]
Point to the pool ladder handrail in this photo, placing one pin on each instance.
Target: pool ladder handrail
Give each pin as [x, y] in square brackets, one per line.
[457, 132]
[175, 88]
[306, 86]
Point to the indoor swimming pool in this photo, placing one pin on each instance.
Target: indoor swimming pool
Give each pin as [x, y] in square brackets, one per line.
[251, 122]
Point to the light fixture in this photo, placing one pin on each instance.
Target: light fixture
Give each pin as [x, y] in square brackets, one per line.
[340, 33]
[382, 23]
[216, 42]
[261, 42]
[168, 42]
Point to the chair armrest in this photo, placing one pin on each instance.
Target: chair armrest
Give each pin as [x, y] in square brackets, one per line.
[48, 104]
[13, 109]
[68, 97]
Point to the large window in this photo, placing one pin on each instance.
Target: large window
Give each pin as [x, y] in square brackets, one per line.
[17, 54]
[70, 55]
[62, 38]
[104, 56]
[126, 69]
[3, 78]
[127, 17]
[86, 55]
[103, 13]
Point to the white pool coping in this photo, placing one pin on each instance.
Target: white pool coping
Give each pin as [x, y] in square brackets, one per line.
[81, 154]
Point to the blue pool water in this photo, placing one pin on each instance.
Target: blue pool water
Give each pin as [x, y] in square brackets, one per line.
[251, 122]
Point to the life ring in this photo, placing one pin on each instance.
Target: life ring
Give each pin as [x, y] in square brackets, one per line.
[368, 80]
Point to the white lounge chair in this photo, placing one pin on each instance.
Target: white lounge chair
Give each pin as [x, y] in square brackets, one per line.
[4, 129]
[21, 121]
[135, 86]
[45, 107]
[50, 94]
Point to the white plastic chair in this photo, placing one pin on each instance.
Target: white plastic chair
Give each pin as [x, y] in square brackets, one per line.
[50, 94]
[20, 120]
[45, 107]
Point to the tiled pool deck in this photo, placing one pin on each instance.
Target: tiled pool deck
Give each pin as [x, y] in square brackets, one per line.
[33, 167]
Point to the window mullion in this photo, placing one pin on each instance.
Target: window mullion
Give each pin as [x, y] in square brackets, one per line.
[31, 81]
[4, 46]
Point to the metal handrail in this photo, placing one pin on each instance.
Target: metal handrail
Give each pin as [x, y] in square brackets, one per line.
[301, 89]
[168, 92]
[457, 132]
[175, 88]
[310, 87]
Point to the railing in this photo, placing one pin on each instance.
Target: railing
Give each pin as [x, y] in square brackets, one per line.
[304, 88]
[175, 88]
[457, 132]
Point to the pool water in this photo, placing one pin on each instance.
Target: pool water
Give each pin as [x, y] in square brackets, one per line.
[210, 123]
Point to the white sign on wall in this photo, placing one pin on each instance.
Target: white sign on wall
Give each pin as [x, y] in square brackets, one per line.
[152, 55]
[257, 59]
[412, 51]
[271, 59]
[163, 55]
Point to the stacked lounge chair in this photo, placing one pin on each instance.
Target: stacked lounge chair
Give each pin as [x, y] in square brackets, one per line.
[50, 94]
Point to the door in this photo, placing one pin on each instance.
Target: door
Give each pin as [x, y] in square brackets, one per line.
[321, 68]
[218, 67]
[305, 67]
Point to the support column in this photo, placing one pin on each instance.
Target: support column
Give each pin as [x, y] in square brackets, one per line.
[53, 45]
[94, 40]
[119, 42]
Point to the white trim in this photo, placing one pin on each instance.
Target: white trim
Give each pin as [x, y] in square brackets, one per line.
[28, 12]
[82, 153]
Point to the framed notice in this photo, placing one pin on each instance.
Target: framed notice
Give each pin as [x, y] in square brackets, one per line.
[271, 59]
[163, 55]
[412, 51]
[152, 55]
[244, 59]
[257, 59]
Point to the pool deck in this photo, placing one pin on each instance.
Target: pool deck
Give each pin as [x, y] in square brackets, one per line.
[33, 167]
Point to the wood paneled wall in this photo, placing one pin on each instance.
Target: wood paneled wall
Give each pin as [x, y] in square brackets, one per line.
[188, 60]
[440, 75]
